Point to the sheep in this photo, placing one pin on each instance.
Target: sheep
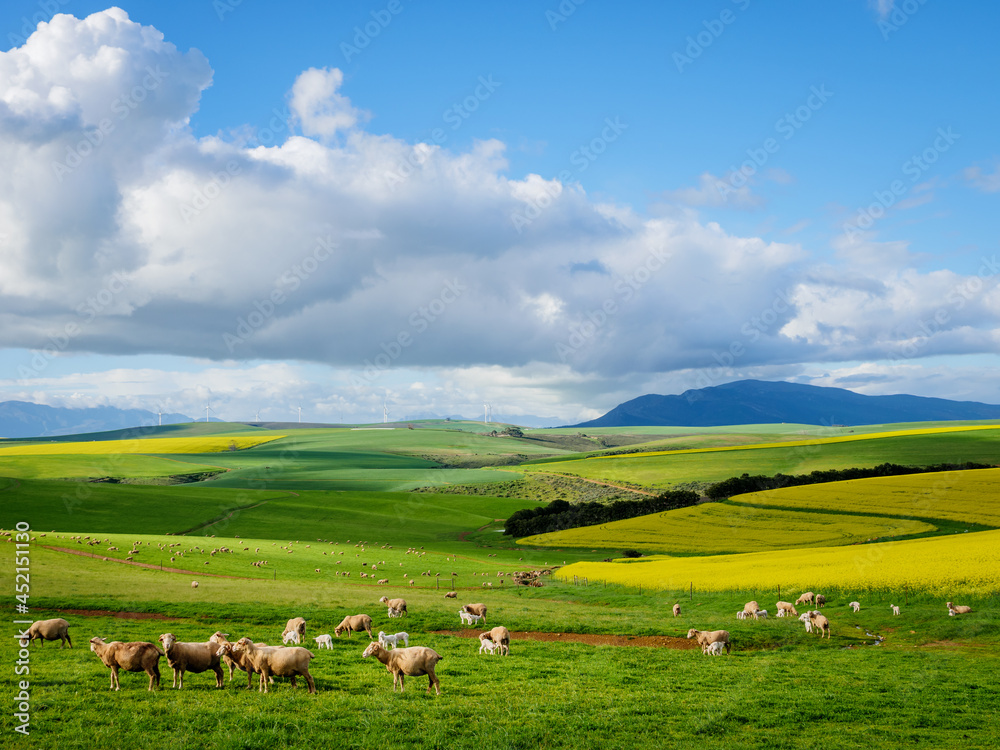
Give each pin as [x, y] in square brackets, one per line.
[399, 604]
[451, 595]
[194, 584]
[806, 620]
[751, 607]
[476, 609]
[820, 600]
[413, 662]
[705, 637]
[234, 660]
[393, 640]
[819, 621]
[468, 617]
[958, 609]
[714, 649]
[760, 614]
[296, 625]
[894, 608]
[500, 636]
[291, 636]
[485, 644]
[741, 615]
[352, 623]
[283, 662]
[395, 612]
[324, 641]
[136, 656]
[677, 610]
[48, 630]
[806, 598]
[190, 657]
[787, 608]
[856, 606]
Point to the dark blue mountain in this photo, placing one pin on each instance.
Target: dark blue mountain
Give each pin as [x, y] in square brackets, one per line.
[20, 419]
[762, 402]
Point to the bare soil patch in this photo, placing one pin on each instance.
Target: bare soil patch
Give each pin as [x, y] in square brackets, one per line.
[118, 615]
[591, 639]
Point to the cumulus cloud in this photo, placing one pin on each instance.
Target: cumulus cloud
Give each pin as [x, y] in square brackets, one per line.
[318, 107]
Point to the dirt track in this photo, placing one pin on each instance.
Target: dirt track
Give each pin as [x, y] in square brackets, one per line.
[649, 641]
[150, 566]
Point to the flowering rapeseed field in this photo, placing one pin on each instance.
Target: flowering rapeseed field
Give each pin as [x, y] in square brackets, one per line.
[208, 444]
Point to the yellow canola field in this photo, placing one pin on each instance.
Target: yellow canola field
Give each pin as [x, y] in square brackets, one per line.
[721, 528]
[810, 441]
[966, 496]
[209, 444]
[958, 563]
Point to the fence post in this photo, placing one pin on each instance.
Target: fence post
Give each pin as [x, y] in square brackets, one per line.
[691, 594]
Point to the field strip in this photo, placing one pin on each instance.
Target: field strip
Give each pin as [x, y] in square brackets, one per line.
[149, 566]
[803, 443]
[938, 522]
[590, 639]
[597, 481]
[141, 446]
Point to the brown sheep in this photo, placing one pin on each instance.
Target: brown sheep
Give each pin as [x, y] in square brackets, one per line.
[295, 625]
[275, 660]
[50, 630]
[787, 608]
[819, 621]
[399, 604]
[191, 657]
[820, 600]
[677, 610]
[707, 637]
[353, 623]
[413, 661]
[751, 608]
[476, 609]
[500, 636]
[136, 656]
[806, 598]
[958, 609]
[451, 595]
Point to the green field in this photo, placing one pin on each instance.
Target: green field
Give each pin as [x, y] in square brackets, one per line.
[317, 504]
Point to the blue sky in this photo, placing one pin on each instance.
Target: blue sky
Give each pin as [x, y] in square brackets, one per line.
[553, 207]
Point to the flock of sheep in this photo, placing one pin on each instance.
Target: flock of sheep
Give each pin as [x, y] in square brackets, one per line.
[266, 661]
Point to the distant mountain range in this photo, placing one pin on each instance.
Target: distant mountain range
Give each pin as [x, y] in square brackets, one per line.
[20, 419]
[762, 402]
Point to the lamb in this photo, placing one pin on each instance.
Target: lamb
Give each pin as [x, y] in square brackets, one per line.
[787, 608]
[354, 623]
[500, 636]
[292, 636]
[296, 625]
[856, 606]
[485, 644]
[714, 649]
[136, 656]
[190, 657]
[476, 609]
[958, 609]
[467, 618]
[819, 621]
[820, 600]
[48, 630]
[395, 612]
[393, 640]
[706, 637]
[283, 662]
[760, 614]
[806, 598]
[324, 641]
[677, 610]
[399, 604]
[413, 662]
[894, 608]
[806, 620]
[741, 615]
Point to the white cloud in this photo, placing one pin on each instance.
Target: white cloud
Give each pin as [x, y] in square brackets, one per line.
[318, 107]
[986, 182]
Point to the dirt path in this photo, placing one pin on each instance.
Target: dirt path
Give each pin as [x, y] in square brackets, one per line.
[148, 566]
[591, 639]
[119, 615]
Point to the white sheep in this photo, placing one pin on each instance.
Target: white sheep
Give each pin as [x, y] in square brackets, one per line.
[296, 625]
[499, 636]
[741, 615]
[291, 636]
[413, 662]
[399, 604]
[395, 612]
[716, 648]
[760, 614]
[393, 640]
[894, 608]
[324, 641]
[807, 621]
[190, 657]
[476, 609]
[705, 637]
[136, 656]
[467, 618]
[856, 606]
[485, 644]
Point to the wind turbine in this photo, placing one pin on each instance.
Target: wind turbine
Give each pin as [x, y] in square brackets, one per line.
[300, 415]
[159, 414]
[257, 416]
[207, 410]
[486, 413]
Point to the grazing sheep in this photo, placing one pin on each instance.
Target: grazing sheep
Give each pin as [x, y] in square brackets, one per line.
[806, 598]
[751, 607]
[49, 630]
[787, 608]
[324, 641]
[399, 604]
[451, 595]
[353, 623]
[467, 618]
[500, 636]
[136, 656]
[806, 620]
[296, 625]
[820, 600]
[705, 637]
[760, 614]
[190, 657]
[958, 609]
[272, 660]
[714, 649]
[677, 610]
[393, 640]
[856, 606]
[194, 584]
[819, 621]
[894, 608]
[291, 636]
[476, 609]
[412, 662]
